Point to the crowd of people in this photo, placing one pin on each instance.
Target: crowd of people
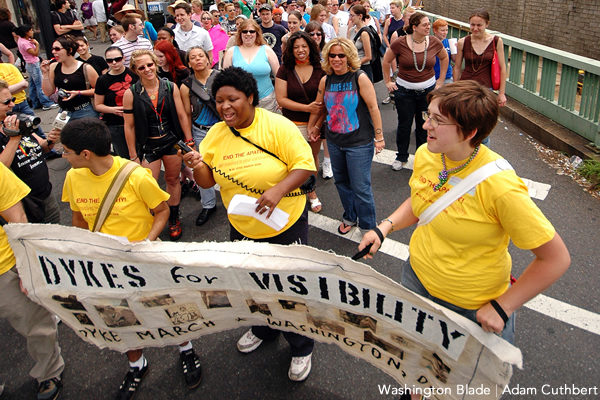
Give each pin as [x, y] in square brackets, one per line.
[280, 82]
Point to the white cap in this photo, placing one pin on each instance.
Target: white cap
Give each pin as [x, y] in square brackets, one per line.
[213, 8]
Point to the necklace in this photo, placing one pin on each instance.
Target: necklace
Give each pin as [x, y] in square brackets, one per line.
[443, 175]
[424, 57]
[415, 41]
[475, 56]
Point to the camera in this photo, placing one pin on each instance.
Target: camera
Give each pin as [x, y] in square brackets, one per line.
[27, 124]
[62, 93]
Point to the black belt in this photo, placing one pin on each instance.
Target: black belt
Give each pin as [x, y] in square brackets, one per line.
[205, 127]
[417, 91]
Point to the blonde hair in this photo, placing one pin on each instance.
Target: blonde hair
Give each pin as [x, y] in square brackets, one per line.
[250, 23]
[349, 50]
[3, 84]
[197, 3]
[137, 54]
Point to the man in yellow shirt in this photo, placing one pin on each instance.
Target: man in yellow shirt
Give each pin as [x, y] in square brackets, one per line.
[32, 321]
[140, 213]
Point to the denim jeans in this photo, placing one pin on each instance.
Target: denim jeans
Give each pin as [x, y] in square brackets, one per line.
[209, 197]
[411, 281]
[352, 174]
[409, 105]
[87, 111]
[38, 98]
[119, 144]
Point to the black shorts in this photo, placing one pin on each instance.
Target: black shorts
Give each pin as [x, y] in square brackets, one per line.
[155, 149]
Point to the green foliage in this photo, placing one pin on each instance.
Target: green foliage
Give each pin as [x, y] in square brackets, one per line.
[590, 170]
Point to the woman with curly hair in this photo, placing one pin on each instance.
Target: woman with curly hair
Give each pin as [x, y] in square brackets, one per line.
[169, 63]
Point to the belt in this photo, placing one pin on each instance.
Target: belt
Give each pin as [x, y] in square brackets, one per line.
[417, 91]
[204, 127]
[79, 107]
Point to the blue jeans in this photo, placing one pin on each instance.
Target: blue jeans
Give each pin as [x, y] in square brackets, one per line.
[409, 105]
[38, 98]
[23, 108]
[87, 111]
[209, 198]
[352, 173]
[411, 281]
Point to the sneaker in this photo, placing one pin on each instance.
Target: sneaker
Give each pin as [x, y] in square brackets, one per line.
[327, 172]
[249, 342]
[53, 106]
[175, 230]
[49, 389]
[397, 165]
[300, 368]
[192, 371]
[387, 100]
[132, 382]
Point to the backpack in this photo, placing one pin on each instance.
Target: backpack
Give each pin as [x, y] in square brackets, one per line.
[375, 51]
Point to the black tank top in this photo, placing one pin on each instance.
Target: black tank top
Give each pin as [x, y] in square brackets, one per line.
[74, 81]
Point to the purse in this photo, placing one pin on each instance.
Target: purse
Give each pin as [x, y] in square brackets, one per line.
[495, 67]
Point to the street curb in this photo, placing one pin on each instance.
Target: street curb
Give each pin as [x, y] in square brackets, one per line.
[546, 130]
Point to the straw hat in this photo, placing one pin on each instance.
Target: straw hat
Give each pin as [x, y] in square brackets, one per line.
[128, 9]
[171, 8]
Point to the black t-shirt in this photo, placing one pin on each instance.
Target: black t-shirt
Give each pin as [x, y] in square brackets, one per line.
[113, 87]
[67, 18]
[273, 37]
[29, 165]
[97, 62]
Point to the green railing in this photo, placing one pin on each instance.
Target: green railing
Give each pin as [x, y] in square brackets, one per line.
[564, 87]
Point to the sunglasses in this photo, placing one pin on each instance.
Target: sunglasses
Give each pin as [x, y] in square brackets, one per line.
[7, 102]
[57, 48]
[249, 31]
[315, 34]
[341, 56]
[206, 19]
[112, 60]
[143, 67]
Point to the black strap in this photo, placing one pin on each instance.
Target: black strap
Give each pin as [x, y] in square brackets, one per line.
[363, 252]
[236, 133]
[379, 233]
[499, 310]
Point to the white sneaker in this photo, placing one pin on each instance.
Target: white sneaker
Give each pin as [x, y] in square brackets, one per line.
[300, 368]
[397, 165]
[327, 172]
[249, 342]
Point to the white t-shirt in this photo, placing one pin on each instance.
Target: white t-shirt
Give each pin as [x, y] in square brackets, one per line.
[99, 11]
[197, 36]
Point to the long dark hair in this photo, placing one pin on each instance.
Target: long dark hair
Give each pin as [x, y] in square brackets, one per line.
[316, 26]
[314, 57]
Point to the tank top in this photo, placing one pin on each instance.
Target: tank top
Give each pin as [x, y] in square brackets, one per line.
[478, 67]
[74, 81]
[259, 68]
[395, 24]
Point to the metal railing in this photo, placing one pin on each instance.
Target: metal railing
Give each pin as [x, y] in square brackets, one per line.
[564, 87]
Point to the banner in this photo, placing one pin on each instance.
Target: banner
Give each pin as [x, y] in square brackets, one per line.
[123, 296]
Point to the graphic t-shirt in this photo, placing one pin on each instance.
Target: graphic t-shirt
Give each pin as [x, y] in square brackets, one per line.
[29, 164]
[113, 87]
[462, 256]
[233, 157]
[272, 36]
[12, 190]
[130, 217]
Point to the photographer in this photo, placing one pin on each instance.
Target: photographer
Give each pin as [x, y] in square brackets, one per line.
[23, 152]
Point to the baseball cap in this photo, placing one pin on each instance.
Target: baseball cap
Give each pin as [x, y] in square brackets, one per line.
[265, 6]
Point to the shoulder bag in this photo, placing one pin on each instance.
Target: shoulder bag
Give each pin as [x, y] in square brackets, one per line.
[495, 67]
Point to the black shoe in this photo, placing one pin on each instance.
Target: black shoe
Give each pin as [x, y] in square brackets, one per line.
[132, 382]
[49, 389]
[205, 215]
[192, 371]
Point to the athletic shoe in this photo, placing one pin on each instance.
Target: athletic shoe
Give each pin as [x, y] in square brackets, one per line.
[327, 172]
[132, 382]
[300, 368]
[192, 371]
[249, 342]
[53, 106]
[49, 389]
[397, 165]
[387, 100]
[175, 229]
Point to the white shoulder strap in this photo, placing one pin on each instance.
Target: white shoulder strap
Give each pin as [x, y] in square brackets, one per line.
[471, 181]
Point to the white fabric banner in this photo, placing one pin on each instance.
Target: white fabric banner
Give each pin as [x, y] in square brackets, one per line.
[123, 296]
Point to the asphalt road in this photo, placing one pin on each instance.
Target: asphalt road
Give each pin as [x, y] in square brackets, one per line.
[555, 353]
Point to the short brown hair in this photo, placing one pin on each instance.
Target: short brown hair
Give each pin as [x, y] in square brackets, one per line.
[129, 19]
[250, 23]
[471, 105]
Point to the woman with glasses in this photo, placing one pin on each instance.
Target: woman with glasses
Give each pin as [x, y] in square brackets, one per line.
[169, 63]
[75, 80]
[353, 131]
[218, 36]
[361, 38]
[415, 54]
[316, 33]
[296, 88]
[108, 97]
[154, 121]
[460, 258]
[252, 54]
[97, 62]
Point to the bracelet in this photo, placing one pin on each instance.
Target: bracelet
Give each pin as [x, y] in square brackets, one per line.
[134, 158]
[499, 310]
[190, 142]
[379, 233]
[380, 140]
[390, 221]
[79, 93]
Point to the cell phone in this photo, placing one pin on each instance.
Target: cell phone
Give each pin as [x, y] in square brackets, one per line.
[180, 145]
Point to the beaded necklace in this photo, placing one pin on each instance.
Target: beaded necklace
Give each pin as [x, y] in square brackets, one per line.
[443, 175]
[415, 56]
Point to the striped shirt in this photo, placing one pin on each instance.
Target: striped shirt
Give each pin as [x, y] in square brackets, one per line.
[128, 47]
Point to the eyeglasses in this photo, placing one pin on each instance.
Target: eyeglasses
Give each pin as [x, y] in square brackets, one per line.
[7, 102]
[248, 31]
[206, 19]
[433, 121]
[112, 60]
[66, 153]
[341, 56]
[143, 67]
[57, 48]
[315, 34]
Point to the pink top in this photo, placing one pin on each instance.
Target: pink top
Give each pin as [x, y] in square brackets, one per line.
[23, 45]
[196, 17]
[219, 40]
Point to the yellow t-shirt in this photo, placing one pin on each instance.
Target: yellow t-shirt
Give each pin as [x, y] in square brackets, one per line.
[462, 256]
[12, 75]
[239, 160]
[12, 190]
[130, 217]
